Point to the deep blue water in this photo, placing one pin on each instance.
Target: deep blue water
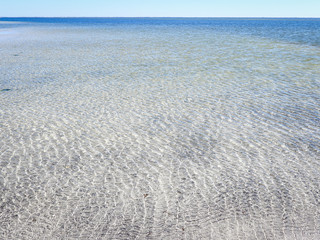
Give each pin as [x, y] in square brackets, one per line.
[295, 30]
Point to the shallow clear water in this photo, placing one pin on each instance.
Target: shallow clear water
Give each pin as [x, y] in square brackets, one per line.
[160, 129]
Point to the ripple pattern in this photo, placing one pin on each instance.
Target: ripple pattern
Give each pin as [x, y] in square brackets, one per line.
[158, 133]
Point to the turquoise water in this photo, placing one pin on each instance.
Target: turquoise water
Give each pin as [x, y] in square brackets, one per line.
[126, 128]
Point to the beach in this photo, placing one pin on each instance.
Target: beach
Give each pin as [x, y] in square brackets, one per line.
[142, 128]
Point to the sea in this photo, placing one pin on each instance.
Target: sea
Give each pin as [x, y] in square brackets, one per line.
[160, 128]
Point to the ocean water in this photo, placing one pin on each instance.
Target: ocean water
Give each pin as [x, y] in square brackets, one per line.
[159, 128]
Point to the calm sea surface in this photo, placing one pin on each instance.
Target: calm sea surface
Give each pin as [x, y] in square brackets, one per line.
[159, 128]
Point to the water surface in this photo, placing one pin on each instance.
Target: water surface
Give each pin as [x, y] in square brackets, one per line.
[151, 128]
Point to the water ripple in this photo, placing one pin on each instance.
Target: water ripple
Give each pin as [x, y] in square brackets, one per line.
[158, 133]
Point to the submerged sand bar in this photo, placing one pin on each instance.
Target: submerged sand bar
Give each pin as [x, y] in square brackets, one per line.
[160, 129]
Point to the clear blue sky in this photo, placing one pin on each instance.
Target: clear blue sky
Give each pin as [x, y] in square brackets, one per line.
[160, 8]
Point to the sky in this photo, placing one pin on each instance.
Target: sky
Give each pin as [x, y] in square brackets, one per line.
[159, 8]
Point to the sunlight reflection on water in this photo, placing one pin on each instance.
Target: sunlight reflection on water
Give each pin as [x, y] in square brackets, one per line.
[159, 132]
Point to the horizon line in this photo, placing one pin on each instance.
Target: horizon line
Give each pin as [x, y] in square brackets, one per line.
[152, 17]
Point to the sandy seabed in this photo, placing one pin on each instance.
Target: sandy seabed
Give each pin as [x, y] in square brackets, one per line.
[158, 133]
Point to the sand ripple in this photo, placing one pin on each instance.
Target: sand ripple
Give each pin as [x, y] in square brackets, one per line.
[158, 134]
